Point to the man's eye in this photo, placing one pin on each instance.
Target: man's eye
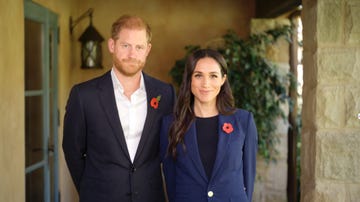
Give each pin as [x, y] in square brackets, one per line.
[139, 47]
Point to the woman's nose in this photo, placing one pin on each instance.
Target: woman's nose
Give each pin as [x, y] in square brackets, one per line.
[205, 81]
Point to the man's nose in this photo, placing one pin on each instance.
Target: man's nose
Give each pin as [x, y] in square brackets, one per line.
[132, 52]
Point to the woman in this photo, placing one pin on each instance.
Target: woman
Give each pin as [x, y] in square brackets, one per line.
[208, 146]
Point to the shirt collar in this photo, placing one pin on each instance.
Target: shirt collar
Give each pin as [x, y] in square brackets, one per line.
[117, 85]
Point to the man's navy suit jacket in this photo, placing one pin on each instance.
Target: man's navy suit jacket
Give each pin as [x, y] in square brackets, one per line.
[95, 148]
[234, 168]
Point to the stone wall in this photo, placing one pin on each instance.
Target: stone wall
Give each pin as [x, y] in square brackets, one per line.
[330, 156]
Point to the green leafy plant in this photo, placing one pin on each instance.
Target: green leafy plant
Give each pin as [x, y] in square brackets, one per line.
[256, 82]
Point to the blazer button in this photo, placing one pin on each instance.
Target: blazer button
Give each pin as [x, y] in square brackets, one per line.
[210, 194]
[132, 168]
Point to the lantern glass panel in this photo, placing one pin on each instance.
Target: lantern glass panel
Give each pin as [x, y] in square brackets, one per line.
[91, 54]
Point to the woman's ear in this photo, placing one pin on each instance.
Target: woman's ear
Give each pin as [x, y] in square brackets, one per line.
[224, 79]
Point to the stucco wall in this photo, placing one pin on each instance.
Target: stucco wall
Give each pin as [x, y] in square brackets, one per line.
[12, 158]
[175, 24]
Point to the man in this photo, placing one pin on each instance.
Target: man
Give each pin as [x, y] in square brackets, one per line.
[111, 124]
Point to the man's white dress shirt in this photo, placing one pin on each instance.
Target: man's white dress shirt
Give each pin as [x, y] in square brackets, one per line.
[132, 113]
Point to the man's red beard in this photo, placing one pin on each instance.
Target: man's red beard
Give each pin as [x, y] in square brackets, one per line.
[129, 67]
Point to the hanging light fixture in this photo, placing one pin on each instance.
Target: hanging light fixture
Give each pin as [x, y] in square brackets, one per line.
[91, 54]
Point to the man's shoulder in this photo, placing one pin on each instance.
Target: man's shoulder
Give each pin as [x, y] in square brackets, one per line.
[94, 81]
[154, 81]
[157, 86]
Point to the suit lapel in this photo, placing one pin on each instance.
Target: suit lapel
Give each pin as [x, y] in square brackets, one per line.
[224, 140]
[192, 150]
[151, 92]
[107, 100]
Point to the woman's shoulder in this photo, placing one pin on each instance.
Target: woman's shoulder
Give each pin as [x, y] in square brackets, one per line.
[166, 122]
[242, 112]
[168, 118]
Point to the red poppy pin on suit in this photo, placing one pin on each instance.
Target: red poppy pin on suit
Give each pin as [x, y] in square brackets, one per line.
[154, 103]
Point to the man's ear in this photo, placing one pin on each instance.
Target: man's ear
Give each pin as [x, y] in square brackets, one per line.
[148, 49]
[111, 45]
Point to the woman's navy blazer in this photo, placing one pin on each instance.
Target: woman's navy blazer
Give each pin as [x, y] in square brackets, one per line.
[234, 169]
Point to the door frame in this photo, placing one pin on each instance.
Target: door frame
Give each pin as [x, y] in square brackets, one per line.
[49, 20]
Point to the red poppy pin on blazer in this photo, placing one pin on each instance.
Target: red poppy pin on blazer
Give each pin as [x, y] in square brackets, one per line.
[227, 128]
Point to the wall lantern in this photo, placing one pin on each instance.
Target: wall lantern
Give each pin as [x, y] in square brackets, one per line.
[91, 55]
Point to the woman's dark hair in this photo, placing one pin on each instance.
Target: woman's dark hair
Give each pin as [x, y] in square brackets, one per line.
[183, 113]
